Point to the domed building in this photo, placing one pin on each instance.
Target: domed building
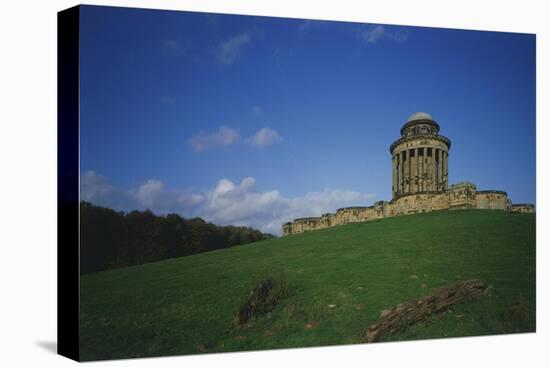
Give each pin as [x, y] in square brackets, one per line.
[420, 175]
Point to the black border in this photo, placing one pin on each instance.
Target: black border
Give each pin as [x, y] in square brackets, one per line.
[67, 183]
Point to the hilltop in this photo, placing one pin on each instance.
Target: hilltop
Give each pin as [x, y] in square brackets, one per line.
[337, 281]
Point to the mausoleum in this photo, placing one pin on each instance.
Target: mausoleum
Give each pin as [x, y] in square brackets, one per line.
[420, 173]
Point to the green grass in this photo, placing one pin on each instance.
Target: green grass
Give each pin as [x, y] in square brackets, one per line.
[187, 305]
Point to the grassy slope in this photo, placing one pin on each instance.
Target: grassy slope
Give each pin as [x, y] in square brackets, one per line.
[187, 305]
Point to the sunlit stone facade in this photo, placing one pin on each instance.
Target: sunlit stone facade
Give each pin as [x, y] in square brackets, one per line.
[420, 158]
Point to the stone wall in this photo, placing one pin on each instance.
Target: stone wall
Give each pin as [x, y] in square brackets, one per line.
[462, 196]
[305, 224]
[492, 200]
[327, 220]
[459, 196]
[355, 214]
[287, 228]
[522, 208]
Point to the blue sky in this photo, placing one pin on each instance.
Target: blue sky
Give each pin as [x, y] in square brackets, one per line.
[257, 120]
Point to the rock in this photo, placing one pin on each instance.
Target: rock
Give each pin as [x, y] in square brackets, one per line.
[383, 313]
[410, 312]
[201, 348]
[261, 301]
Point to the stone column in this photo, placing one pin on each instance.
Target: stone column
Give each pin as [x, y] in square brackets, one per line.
[412, 168]
[434, 188]
[425, 169]
[400, 178]
[445, 170]
[406, 172]
[419, 173]
[393, 175]
[435, 153]
[417, 170]
[440, 170]
[411, 171]
[402, 171]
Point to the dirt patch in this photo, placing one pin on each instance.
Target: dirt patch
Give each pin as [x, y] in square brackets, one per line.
[516, 312]
[310, 325]
[262, 299]
[410, 312]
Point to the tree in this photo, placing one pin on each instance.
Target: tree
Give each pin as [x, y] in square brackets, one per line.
[111, 239]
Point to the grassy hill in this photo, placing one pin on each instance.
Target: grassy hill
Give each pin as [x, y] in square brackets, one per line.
[338, 280]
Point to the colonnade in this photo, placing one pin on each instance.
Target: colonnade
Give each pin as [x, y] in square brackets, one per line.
[421, 169]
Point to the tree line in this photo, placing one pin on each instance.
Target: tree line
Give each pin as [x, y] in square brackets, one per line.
[112, 239]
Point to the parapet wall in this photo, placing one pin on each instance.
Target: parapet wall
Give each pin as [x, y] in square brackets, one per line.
[522, 208]
[492, 200]
[459, 196]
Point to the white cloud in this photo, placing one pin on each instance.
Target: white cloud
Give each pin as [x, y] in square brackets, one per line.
[226, 203]
[229, 50]
[149, 192]
[399, 35]
[243, 204]
[203, 141]
[94, 187]
[226, 136]
[375, 33]
[264, 137]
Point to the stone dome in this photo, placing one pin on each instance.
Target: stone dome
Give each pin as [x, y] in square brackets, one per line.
[420, 123]
[419, 116]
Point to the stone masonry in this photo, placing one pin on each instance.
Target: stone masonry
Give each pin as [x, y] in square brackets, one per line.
[420, 174]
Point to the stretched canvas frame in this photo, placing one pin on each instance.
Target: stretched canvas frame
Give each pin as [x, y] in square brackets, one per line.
[409, 195]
